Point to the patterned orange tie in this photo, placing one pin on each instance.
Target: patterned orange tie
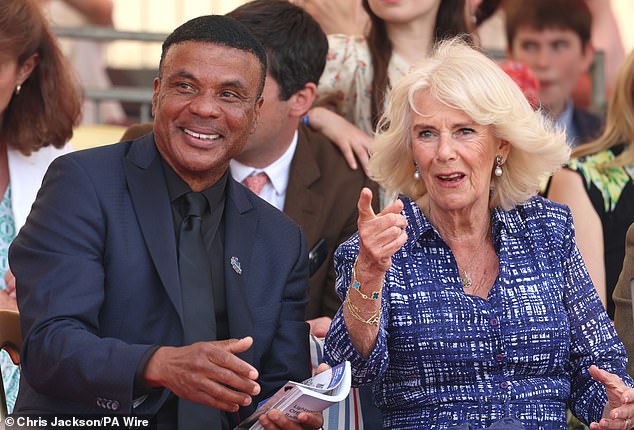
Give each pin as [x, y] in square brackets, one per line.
[256, 182]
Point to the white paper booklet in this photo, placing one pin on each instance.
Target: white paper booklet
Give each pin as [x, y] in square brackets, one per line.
[313, 395]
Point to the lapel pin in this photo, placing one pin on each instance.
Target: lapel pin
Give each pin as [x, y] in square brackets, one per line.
[235, 264]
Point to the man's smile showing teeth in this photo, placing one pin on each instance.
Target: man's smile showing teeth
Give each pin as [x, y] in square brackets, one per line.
[201, 136]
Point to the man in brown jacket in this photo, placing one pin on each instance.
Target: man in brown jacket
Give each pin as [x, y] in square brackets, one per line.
[622, 296]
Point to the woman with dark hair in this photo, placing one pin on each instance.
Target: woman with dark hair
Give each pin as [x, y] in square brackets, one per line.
[39, 104]
[360, 70]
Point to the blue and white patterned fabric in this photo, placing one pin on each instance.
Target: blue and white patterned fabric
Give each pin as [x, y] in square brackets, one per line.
[445, 358]
[345, 415]
[10, 372]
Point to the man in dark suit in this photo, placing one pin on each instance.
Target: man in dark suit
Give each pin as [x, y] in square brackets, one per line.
[112, 321]
[307, 177]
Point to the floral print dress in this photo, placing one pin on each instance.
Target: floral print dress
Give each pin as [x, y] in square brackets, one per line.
[346, 83]
[10, 372]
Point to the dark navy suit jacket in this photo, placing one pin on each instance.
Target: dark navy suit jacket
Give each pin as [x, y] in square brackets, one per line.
[97, 280]
[588, 125]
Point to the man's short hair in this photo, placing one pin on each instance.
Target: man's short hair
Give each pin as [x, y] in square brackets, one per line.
[219, 30]
[545, 14]
[294, 42]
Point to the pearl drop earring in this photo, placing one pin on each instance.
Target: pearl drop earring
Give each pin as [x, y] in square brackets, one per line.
[416, 172]
[498, 166]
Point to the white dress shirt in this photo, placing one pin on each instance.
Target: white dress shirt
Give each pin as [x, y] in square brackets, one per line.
[274, 190]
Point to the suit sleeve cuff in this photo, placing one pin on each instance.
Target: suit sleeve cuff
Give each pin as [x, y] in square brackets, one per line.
[140, 386]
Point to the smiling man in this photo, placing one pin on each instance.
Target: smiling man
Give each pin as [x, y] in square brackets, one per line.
[160, 286]
[552, 37]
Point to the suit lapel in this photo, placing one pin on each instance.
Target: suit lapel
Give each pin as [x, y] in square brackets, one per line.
[241, 220]
[150, 199]
[303, 205]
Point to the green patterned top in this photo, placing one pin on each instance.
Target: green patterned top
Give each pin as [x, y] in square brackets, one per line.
[609, 181]
[611, 191]
[10, 372]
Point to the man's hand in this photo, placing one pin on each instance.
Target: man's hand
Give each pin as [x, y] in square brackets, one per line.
[206, 372]
[274, 419]
[319, 326]
[7, 296]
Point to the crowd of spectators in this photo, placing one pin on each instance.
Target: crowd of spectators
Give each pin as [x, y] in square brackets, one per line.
[357, 179]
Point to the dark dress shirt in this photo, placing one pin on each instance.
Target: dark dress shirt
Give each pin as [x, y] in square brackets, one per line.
[213, 232]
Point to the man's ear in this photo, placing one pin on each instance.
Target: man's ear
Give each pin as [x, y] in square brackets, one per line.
[257, 110]
[26, 68]
[157, 84]
[300, 102]
[587, 57]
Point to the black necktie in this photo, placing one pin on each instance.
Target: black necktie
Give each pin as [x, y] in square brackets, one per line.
[199, 319]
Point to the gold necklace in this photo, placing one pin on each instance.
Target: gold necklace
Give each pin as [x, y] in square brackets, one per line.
[466, 273]
[465, 279]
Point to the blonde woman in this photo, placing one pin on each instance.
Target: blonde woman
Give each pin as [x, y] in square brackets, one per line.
[598, 186]
[466, 301]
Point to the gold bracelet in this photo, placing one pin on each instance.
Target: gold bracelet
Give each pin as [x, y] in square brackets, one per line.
[356, 313]
[356, 285]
